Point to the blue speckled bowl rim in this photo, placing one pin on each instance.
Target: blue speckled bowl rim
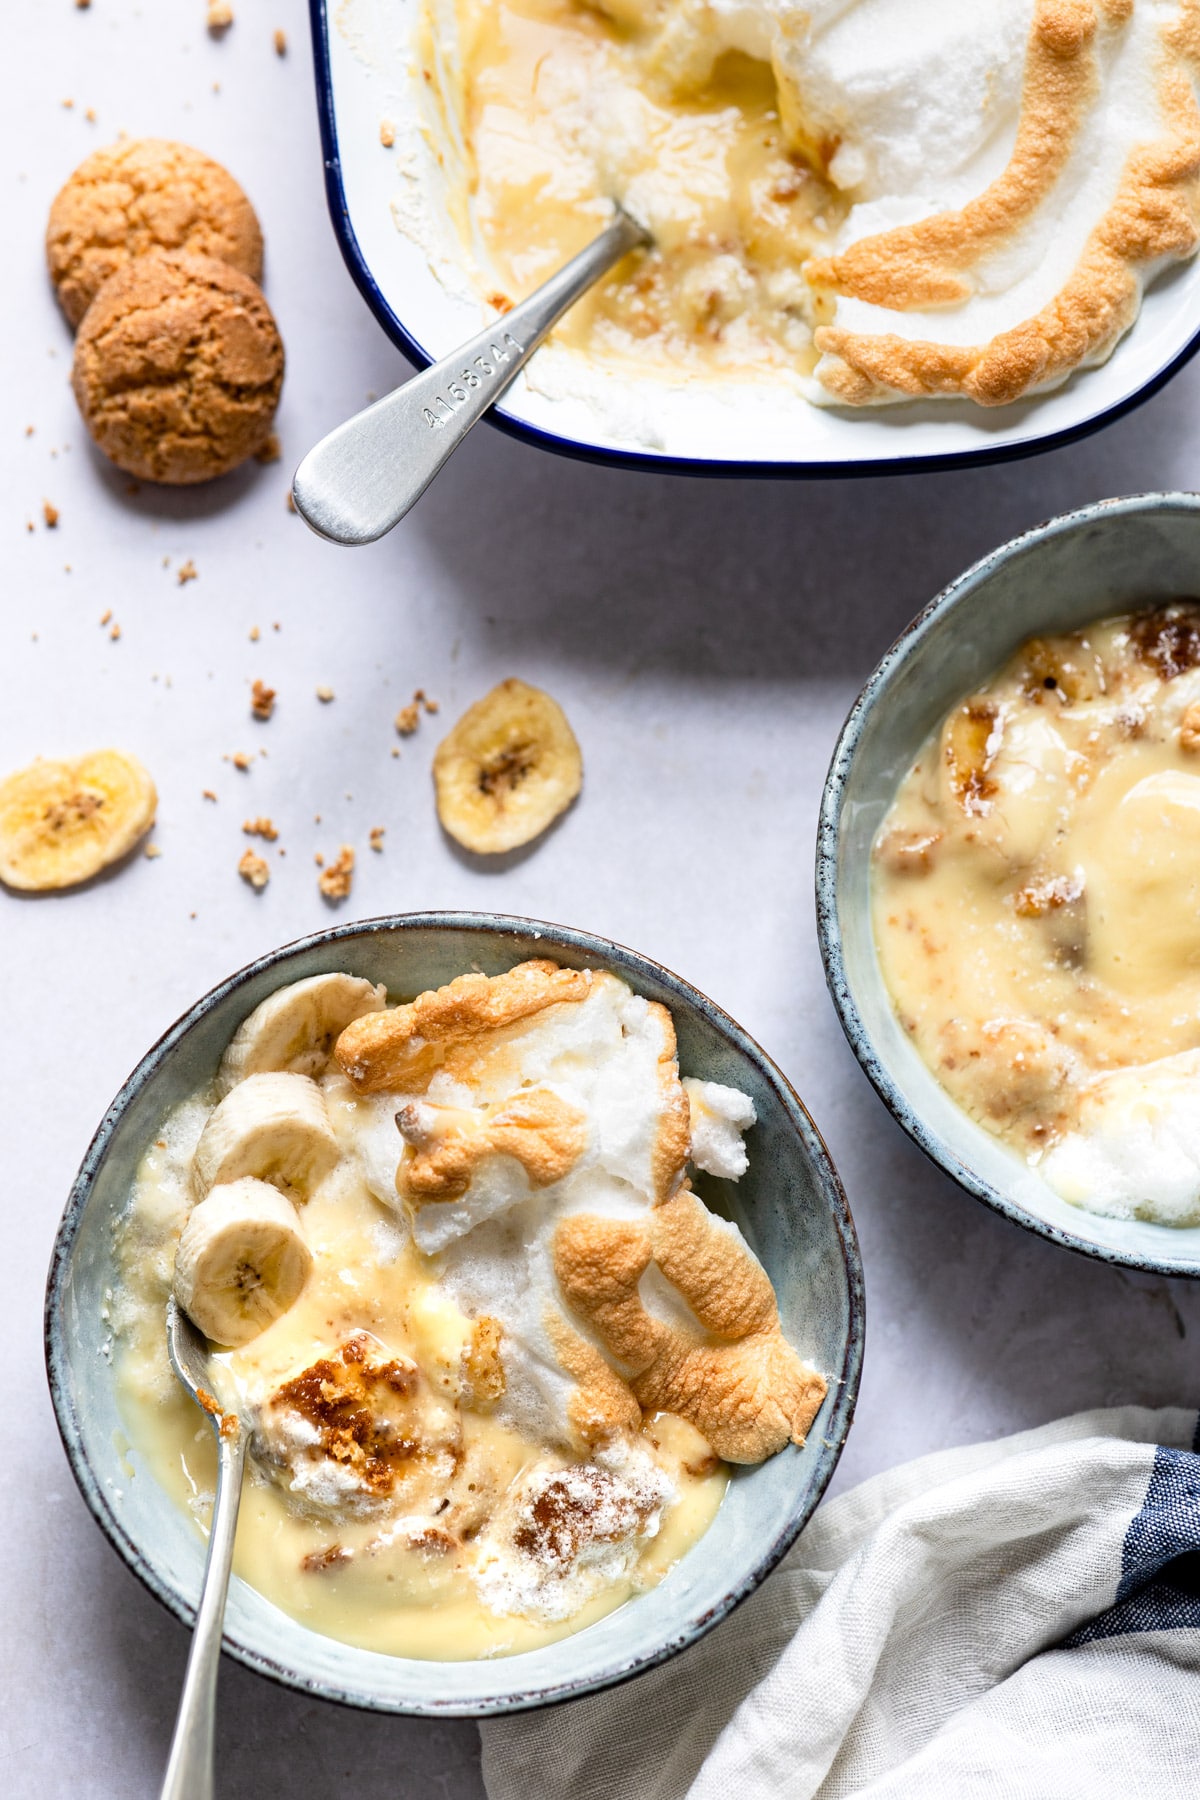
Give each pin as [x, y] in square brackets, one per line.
[843, 1384]
[714, 467]
[829, 932]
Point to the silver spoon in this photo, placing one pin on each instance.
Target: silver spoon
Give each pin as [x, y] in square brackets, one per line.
[361, 480]
[190, 1767]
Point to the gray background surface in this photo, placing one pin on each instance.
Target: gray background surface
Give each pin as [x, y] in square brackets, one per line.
[706, 640]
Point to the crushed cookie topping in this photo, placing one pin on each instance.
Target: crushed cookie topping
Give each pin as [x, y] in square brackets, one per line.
[357, 1406]
[578, 1506]
[1169, 638]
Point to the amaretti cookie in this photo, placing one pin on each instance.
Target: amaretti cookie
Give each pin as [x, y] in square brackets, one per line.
[178, 368]
[142, 196]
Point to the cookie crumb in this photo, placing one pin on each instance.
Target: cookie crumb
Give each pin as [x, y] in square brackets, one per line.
[90, 115]
[255, 634]
[255, 870]
[271, 451]
[407, 720]
[67, 105]
[263, 828]
[395, 751]
[501, 302]
[50, 514]
[1189, 728]
[375, 837]
[151, 851]
[325, 695]
[262, 700]
[387, 133]
[241, 760]
[319, 860]
[106, 616]
[432, 706]
[279, 39]
[186, 572]
[207, 794]
[336, 880]
[220, 17]
[316, 818]
[115, 633]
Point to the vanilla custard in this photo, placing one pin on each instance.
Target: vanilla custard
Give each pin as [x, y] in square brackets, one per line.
[522, 1351]
[859, 200]
[1037, 910]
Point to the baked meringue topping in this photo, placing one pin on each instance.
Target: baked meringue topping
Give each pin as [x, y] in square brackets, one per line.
[524, 1350]
[865, 200]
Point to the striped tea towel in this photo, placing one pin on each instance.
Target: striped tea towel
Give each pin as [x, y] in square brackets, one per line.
[1017, 1620]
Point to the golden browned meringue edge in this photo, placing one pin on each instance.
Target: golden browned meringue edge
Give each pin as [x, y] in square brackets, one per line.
[537, 1127]
[748, 1394]
[1156, 213]
[404, 1048]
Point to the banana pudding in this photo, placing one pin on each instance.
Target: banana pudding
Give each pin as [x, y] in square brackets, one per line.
[852, 202]
[1036, 905]
[493, 1352]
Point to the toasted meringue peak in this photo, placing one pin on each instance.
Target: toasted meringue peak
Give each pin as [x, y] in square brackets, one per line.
[748, 1393]
[538, 1127]
[402, 1049]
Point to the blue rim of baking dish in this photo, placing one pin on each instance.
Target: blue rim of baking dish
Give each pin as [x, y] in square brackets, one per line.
[843, 1383]
[827, 881]
[368, 287]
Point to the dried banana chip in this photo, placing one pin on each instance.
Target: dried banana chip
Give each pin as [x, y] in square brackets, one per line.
[62, 822]
[507, 770]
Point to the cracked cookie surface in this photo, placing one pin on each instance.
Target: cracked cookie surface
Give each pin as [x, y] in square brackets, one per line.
[140, 197]
[178, 368]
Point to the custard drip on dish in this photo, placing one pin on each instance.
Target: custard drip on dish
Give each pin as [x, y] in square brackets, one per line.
[1037, 910]
[867, 200]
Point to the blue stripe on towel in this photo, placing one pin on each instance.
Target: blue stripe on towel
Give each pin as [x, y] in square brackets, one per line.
[1160, 1564]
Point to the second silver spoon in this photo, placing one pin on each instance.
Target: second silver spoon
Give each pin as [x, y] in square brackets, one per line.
[359, 481]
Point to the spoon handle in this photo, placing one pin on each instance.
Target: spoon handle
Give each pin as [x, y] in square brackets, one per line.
[361, 480]
[190, 1768]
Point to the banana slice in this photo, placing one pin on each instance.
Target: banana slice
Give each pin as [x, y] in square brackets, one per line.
[62, 822]
[296, 1028]
[507, 770]
[273, 1126]
[241, 1261]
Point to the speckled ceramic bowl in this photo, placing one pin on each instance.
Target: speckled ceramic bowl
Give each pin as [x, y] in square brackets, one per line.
[790, 1204]
[1105, 559]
